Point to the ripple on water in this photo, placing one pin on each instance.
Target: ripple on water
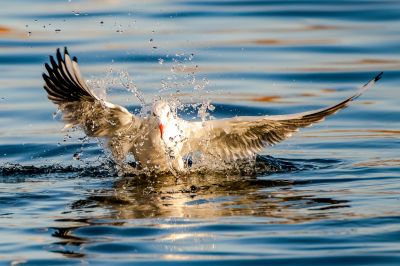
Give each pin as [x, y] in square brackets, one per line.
[327, 196]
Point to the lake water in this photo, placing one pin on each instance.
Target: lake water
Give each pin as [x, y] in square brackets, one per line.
[341, 205]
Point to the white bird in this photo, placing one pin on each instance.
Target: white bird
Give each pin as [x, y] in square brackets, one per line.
[161, 141]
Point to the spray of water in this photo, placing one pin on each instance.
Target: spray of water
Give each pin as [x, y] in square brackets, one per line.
[181, 88]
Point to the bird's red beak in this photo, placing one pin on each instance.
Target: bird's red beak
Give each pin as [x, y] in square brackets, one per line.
[161, 126]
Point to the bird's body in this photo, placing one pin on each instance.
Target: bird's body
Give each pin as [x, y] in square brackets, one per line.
[156, 151]
[161, 140]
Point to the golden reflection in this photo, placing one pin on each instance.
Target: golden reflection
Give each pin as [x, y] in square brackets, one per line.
[159, 200]
[328, 90]
[367, 102]
[307, 94]
[292, 28]
[377, 61]
[370, 61]
[293, 42]
[207, 196]
[368, 64]
[4, 30]
[179, 236]
[10, 32]
[272, 98]
[276, 42]
[176, 257]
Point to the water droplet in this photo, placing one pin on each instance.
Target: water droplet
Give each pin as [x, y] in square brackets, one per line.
[77, 156]
[160, 61]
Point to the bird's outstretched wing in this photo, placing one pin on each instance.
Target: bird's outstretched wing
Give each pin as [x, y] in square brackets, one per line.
[242, 137]
[78, 103]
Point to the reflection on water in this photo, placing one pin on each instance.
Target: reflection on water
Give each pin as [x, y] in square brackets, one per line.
[198, 197]
[206, 198]
[328, 196]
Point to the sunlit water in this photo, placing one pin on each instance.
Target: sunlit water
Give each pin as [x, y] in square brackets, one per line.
[331, 194]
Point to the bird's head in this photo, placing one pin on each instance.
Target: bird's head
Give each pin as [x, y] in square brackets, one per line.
[163, 113]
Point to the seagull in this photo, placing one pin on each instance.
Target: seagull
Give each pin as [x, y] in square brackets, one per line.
[161, 141]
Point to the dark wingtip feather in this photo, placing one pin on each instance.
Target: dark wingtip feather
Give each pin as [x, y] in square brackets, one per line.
[53, 62]
[59, 57]
[48, 68]
[60, 81]
[75, 59]
[378, 77]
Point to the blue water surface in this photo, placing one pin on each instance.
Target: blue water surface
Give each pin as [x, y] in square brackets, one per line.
[329, 196]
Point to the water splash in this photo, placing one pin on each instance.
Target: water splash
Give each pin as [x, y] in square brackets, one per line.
[116, 79]
[182, 77]
[264, 165]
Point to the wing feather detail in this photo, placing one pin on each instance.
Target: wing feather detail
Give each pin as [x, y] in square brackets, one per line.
[80, 106]
[243, 137]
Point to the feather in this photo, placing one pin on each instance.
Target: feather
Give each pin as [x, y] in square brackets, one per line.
[245, 136]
